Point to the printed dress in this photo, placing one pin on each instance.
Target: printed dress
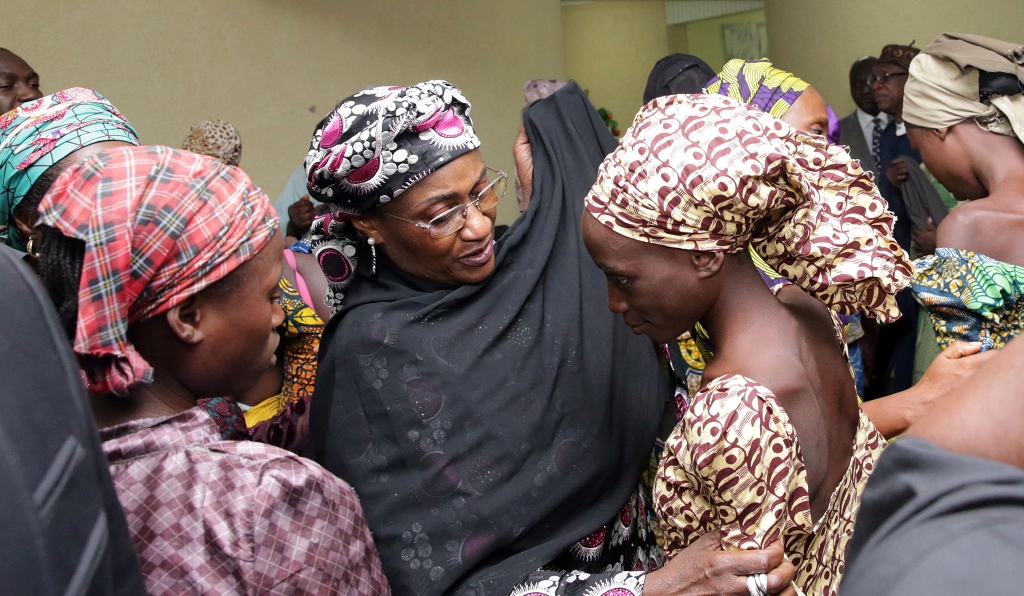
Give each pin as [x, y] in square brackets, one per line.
[971, 297]
[734, 463]
[283, 420]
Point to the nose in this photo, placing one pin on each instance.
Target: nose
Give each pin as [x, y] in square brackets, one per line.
[875, 83]
[478, 225]
[277, 316]
[616, 301]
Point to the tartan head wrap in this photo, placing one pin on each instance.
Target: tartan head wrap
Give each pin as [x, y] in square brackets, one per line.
[39, 133]
[159, 226]
[758, 83]
[705, 173]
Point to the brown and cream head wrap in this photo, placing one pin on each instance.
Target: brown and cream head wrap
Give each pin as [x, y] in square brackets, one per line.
[707, 173]
[216, 138]
[957, 77]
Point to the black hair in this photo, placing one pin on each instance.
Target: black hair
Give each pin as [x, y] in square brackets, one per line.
[60, 270]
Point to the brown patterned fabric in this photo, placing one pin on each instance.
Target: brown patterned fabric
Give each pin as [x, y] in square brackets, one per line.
[707, 173]
[216, 516]
[734, 463]
[898, 55]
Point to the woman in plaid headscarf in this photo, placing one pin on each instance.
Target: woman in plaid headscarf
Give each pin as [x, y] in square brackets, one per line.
[164, 267]
[695, 183]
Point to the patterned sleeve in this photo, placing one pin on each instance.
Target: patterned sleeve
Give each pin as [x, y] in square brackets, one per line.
[577, 583]
[310, 536]
[733, 462]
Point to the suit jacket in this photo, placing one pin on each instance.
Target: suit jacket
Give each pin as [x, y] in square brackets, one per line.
[852, 135]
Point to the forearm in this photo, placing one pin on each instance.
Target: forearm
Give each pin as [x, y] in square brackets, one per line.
[890, 414]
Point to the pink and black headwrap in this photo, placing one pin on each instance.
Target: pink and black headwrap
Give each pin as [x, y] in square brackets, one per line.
[369, 150]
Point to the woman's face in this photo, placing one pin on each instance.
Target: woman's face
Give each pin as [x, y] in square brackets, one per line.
[240, 330]
[808, 113]
[949, 159]
[465, 257]
[658, 290]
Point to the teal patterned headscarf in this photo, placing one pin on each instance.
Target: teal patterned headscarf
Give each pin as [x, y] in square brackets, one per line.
[38, 134]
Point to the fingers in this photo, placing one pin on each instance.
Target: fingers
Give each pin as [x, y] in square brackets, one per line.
[931, 225]
[780, 579]
[710, 541]
[960, 349]
[749, 562]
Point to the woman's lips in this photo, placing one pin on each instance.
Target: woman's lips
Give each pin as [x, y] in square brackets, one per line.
[480, 257]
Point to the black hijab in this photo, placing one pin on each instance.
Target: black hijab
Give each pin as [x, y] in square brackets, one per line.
[487, 428]
[677, 74]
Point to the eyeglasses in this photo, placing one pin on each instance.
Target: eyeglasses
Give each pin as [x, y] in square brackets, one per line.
[884, 77]
[454, 219]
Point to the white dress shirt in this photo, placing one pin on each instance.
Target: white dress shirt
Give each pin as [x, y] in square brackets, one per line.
[867, 124]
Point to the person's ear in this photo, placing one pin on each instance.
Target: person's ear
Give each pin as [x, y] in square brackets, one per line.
[941, 132]
[185, 321]
[368, 226]
[707, 264]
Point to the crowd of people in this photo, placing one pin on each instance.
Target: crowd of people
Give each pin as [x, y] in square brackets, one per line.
[747, 348]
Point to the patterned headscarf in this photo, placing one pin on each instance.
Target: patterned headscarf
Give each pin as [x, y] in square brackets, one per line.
[705, 173]
[898, 55]
[957, 77]
[38, 134]
[379, 142]
[369, 150]
[216, 138]
[159, 226]
[758, 83]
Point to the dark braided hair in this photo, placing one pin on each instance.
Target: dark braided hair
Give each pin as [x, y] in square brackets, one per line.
[60, 269]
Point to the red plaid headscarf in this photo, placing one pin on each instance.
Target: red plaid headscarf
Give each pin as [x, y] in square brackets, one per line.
[159, 226]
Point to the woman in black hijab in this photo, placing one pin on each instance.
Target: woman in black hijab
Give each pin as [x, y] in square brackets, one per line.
[677, 74]
[490, 411]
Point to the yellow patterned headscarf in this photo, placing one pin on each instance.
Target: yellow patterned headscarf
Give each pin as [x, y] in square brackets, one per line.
[706, 173]
[758, 83]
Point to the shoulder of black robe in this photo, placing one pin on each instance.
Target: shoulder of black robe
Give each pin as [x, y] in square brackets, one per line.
[59, 515]
[487, 428]
[936, 522]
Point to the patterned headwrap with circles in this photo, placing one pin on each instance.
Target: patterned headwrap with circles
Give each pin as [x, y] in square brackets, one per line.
[369, 150]
[706, 173]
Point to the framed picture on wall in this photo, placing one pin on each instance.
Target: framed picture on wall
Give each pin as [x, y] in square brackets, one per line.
[748, 41]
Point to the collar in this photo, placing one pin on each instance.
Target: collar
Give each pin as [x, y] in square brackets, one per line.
[865, 119]
[212, 420]
[901, 129]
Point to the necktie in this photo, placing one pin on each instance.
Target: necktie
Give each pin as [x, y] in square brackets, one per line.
[876, 141]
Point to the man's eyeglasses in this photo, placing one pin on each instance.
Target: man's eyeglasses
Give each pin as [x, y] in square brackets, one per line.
[884, 77]
[454, 219]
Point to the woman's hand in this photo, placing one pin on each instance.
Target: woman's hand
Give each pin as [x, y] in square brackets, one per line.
[892, 414]
[703, 568]
[523, 155]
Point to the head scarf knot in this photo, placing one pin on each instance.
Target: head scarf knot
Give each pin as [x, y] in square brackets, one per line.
[38, 134]
[159, 226]
[216, 138]
[958, 77]
[705, 173]
[758, 83]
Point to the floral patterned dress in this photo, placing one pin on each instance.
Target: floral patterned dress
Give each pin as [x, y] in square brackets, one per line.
[971, 297]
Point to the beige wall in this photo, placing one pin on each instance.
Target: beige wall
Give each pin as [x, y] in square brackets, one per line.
[274, 68]
[610, 48]
[706, 40]
[678, 43]
[818, 40]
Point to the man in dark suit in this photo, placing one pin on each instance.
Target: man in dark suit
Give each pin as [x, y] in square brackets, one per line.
[861, 131]
[894, 363]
